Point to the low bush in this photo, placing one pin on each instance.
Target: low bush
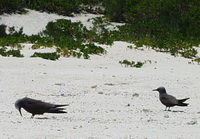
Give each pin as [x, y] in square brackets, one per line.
[168, 42]
[131, 63]
[71, 38]
[10, 6]
[14, 53]
[50, 56]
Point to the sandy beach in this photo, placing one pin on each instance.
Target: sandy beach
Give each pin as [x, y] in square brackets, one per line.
[106, 99]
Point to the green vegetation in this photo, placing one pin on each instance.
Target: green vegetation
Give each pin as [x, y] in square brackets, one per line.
[169, 25]
[99, 32]
[130, 47]
[10, 6]
[71, 39]
[54, 6]
[14, 53]
[13, 40]
[166, 26]
[63, 7]
[50, 56]
[197, 60]
[115, 9]
[132, 63]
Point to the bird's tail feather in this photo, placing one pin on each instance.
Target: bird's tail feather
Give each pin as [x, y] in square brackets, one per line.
[61, 105]
[182, 104]
[182, 100]
[56, 110]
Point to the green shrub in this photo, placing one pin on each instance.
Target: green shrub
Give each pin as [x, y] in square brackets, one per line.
[197, 60]
[114, 9]
[68, 36]
[14, 53]
[35, 46]
[13, 38]
[10, 6]
[139, 64]
[50, 56]
[130, 47]
[132, 63]
[55, 6]
[99, 32]
[3, 51]
[171, 26]
[3, 31]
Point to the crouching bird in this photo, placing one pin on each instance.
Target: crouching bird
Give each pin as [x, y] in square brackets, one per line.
[38, 107]
[168, 100]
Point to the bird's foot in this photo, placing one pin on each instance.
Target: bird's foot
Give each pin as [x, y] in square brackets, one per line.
[169, 109]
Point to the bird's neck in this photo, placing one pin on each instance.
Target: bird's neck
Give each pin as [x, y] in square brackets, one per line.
[162, 94]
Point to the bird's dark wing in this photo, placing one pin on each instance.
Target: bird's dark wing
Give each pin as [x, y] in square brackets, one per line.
[32, 103]
[36, 106]
[39, 107]
[168, 100]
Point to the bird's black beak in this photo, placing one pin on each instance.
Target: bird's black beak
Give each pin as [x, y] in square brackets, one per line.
[154, 90]
[20, 112]
[19, 109]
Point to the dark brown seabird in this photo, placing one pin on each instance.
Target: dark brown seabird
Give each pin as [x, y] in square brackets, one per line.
[34, 106]
[168, 100]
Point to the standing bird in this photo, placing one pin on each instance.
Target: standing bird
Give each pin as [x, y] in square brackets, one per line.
[168, 100]
[38, 107]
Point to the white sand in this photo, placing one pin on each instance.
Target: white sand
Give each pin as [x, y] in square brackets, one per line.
[100, 112]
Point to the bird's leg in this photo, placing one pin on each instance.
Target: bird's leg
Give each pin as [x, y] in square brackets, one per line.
[166, 108]
[32, 116]
[169, 109]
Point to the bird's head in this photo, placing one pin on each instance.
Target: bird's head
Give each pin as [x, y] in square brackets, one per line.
[161, 90]
[18, 105]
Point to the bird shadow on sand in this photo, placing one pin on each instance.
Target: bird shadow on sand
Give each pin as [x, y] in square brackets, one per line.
[42, 118]
[177, 111]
